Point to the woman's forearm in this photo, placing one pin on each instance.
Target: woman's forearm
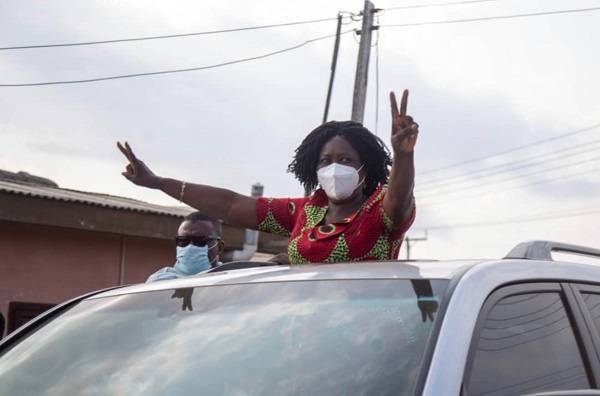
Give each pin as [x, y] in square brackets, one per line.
[398, 200]
[223, 204]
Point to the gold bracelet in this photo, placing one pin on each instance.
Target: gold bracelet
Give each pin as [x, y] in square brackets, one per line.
[182, 192]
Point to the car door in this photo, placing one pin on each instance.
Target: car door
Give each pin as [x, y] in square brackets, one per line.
[532, 338]
[588, 298]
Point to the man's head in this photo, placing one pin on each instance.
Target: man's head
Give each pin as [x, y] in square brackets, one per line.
[202, 230]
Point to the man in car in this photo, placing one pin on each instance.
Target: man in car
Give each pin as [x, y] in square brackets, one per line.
[198, 246]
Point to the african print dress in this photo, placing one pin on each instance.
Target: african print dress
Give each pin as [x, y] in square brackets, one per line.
[366, 235]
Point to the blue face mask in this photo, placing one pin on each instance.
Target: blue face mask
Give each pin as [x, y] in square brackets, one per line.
[193, 259]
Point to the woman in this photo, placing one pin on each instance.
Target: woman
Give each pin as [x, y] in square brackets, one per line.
[361, 212]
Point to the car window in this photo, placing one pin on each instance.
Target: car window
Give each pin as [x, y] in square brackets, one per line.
[362, 337]
[527, 344]
[592, 301]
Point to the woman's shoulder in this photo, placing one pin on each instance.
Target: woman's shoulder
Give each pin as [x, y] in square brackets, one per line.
[377, 197]
[279, 206]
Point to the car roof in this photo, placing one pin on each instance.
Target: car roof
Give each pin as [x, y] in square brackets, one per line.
[285, 273]
[528, 261]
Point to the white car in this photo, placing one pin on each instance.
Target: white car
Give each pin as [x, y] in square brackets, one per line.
[521, 325]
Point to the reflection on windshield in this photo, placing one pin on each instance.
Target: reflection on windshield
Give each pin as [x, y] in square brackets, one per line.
[186, 295]
[426, 301]
[297, 338]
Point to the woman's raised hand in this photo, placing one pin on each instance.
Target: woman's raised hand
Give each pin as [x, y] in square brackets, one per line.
[136, 171]
[404, 129]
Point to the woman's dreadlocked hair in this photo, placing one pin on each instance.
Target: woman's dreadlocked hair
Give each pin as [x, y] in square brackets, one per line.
[373, 152]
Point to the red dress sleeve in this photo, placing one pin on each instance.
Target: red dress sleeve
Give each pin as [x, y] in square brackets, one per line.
[278, 215]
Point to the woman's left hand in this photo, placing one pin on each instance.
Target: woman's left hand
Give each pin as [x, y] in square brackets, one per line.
[404, 129]
[281, 259]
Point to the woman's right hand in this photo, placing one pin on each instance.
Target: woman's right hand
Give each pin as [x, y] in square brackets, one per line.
[136, 171]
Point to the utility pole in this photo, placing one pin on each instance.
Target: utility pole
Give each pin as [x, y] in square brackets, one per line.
[410, 240]
[362, 67]
[333, 66]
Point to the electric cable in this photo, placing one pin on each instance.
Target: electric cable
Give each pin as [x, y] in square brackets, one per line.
[504, 189]
[586, 129]
[515, 220]
[170, 36]
[464, 185]
[510, 178]
[174, 71]
[491, 18]
[511, 166]
[436, 5]
[377, 82]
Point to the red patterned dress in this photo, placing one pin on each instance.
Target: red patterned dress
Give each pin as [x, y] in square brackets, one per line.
[366, 235]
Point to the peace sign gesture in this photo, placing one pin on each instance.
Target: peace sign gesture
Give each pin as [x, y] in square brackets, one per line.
[404, 129]
[136, 171]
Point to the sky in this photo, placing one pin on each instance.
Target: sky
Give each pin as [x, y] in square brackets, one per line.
[506, 93]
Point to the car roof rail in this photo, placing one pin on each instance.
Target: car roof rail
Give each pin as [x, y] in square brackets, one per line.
[542, 250]
[234, 265]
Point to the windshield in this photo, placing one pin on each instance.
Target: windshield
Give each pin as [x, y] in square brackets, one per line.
[350, 337]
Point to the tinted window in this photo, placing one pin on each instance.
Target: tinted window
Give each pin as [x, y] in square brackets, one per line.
[593, 303]
[297, 338]
[527, 344]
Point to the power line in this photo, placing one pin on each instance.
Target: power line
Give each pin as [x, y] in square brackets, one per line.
[511, 165]
[166, 36]
[458, 179]
[516, 220]
[512, 149]
[377, 82]
[174, 71]
[511, 178]
[492, 18]
[436, 5]
[504, 189]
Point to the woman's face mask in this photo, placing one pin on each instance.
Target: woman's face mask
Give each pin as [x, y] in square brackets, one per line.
[193, 259]
[338, 181]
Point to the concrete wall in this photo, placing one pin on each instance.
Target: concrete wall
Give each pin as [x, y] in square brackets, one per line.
[46, 264]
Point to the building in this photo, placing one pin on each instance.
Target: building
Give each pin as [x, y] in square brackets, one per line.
[57, 243]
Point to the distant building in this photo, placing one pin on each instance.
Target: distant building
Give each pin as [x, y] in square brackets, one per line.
[57, 243]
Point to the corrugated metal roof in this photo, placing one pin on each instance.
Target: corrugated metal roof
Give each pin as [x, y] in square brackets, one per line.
[89, 198]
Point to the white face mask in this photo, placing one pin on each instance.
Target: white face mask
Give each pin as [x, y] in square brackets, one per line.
[338, 181]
